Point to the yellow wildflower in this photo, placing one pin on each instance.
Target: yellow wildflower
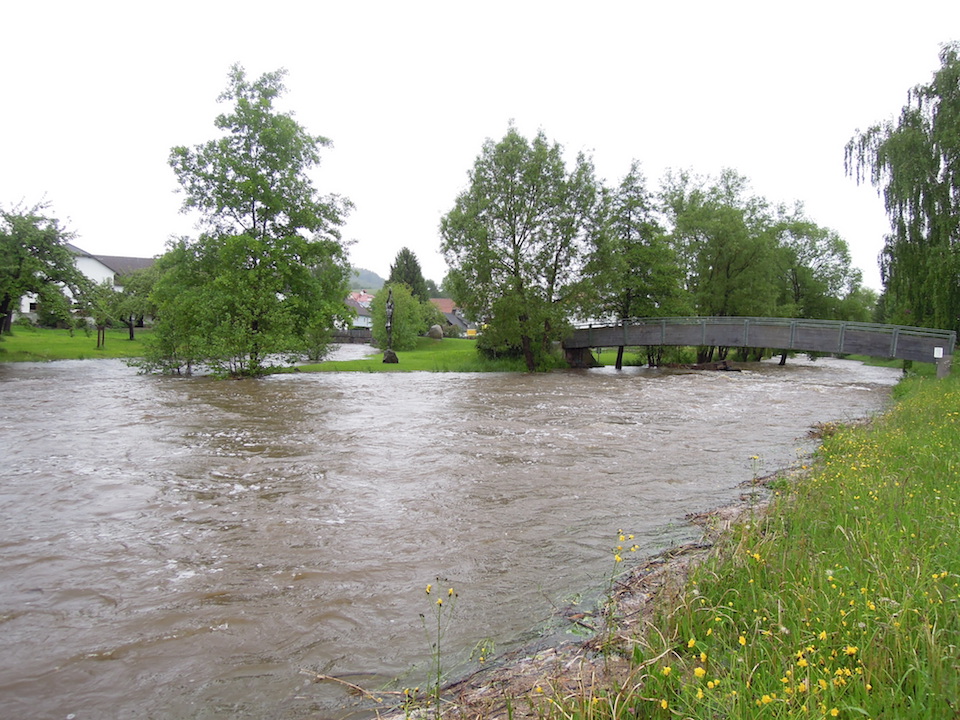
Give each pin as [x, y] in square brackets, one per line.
[667, 670]
[699, 672]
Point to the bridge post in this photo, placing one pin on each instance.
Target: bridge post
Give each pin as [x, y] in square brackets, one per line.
[580, 358]
[943, 367]
[943, 361]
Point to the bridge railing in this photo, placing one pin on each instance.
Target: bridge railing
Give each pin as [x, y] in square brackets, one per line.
[832, 336]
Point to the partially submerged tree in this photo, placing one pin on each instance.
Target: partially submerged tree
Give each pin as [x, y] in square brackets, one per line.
[914, 162]
[269, 269]
[35, 260]
[516, 240]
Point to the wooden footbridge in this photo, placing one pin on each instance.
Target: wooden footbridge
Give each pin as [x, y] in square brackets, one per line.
[780, 334]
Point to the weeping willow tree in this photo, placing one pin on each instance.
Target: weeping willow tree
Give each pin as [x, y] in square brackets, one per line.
[914, 162]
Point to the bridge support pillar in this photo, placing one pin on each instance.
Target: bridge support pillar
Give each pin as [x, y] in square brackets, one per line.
[580, 358]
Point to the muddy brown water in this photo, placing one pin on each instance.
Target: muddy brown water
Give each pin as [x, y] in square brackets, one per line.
[184, 548]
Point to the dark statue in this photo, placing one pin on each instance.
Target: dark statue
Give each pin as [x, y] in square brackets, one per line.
[389, 356]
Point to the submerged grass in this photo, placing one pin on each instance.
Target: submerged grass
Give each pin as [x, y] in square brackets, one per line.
[27, 344]
[839, 600]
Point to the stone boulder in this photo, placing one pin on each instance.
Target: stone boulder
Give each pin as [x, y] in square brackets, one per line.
[436, 332]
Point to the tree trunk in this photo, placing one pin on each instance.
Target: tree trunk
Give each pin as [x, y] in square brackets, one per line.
[654, 355]
[527, 346]
[6, 316]
[783, 358]
[620, 358]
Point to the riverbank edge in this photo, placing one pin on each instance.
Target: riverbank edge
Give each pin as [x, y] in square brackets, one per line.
[519, 683]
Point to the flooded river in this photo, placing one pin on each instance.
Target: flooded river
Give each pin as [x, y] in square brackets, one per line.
[183, 548]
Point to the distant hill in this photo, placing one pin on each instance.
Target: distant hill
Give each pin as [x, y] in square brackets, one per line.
[366, 280]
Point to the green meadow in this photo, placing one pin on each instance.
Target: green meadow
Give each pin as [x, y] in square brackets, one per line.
[26, 344]
[447, 355]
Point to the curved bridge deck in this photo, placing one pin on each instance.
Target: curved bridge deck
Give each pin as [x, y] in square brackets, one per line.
[827, 336]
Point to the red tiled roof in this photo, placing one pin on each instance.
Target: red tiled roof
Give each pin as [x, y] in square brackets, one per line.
[445, 305]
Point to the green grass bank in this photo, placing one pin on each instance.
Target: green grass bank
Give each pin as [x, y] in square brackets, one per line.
[840, 599]
[26, 344]
[447, 355]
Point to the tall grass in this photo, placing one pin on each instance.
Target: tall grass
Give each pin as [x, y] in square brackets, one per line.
[839, 600]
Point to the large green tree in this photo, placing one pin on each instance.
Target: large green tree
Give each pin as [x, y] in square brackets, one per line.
[743, 256]
[35, 260]
[406, 269]
[268, 271]
[633, 270]
[914, 161]
[516, 239]
[725, 239]
[816, 271]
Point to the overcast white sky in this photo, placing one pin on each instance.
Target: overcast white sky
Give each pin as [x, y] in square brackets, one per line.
[96, 93]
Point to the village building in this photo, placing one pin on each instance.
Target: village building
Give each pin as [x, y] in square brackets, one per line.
[98, 268]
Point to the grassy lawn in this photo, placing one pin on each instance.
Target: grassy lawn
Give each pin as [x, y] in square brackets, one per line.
[447, 355]
[33, 344]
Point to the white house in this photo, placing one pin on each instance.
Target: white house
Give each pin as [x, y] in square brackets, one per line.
[363, 318]
[96, 267]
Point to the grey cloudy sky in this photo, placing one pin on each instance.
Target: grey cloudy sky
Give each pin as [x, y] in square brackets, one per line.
[96, 93]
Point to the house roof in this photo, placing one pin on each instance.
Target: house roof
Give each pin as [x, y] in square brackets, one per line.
[124, 265]
[362, 297]
[360, 309]
[120, 265]
[444, 305]
[450, 311]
